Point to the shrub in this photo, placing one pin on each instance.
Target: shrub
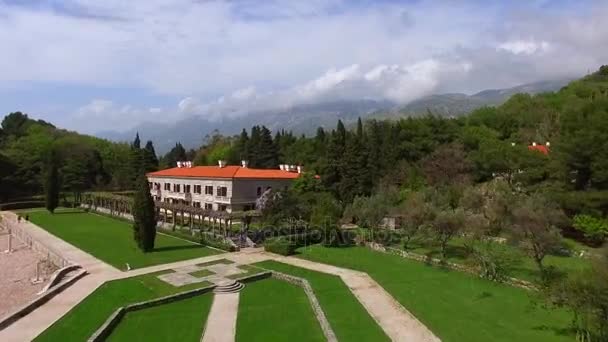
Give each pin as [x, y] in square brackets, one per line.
[21, 205]
[280, 246]
[217, 242]
[594, 229]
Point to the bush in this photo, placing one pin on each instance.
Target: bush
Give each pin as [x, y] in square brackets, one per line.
[21, 205]
[217, 242]
[280, 246]
[594, 229]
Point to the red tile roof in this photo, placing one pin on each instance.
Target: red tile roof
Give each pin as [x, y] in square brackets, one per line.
[230, 171]
[540, 148]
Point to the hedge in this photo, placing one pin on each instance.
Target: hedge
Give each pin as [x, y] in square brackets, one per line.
[21, 205]
[280, 246]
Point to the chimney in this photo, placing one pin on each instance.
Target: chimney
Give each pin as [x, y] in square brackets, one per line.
[179, 164]
[244, 163]
[282, 167]
[548, 144]
[300, 168]
[221, 163]
[534, 143]
[292, 168]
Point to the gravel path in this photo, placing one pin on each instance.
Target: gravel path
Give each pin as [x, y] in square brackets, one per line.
[16, 270]
[221, 322]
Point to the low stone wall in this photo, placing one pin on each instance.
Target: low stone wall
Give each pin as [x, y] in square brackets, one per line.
[57, 277]
[435, 261]
[320, 315]
[38, 301]
[107, 211]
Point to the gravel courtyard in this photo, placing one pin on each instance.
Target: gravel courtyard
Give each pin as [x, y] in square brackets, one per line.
[16, 270]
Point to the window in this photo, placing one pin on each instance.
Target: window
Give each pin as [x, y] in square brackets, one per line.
[223, 207]
[150, 185]
[196, 204]
[208, 190]
[222, 191]
[259, 191]
[209, 206]
[197, 189]
[168, 186]
[187, 188]
[176, 187]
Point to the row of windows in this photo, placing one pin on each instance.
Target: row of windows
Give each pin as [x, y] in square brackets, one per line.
[197, 189]
[209, 206]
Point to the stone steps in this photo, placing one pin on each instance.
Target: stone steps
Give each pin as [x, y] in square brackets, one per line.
[231, 286]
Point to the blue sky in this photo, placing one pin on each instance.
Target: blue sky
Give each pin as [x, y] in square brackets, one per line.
[96, 65]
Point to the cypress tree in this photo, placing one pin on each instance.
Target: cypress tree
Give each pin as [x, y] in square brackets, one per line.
[144, 216]
[242, 145]
[254, 147]
[51, 184]
[268, 155]
[149, 157]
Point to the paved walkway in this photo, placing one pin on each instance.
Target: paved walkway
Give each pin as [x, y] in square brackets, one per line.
[221, 322]
[398, 323]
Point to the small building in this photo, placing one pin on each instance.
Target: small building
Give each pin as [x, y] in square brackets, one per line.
[223, 187]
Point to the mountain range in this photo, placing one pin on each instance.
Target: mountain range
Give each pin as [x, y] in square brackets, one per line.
[305, 119]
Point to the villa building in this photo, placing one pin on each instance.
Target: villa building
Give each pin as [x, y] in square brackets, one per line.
[222, 187]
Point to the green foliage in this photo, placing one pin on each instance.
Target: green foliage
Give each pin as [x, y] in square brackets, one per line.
[594, 229]
[51, 184]
[495, 261]
[280, 245]
[216, 242]
[144, 216]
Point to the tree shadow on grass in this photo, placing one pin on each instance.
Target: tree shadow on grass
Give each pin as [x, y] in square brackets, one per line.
[561, 331]
[175, 248]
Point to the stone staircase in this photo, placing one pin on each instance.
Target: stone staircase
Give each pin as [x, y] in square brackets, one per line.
[228, 286]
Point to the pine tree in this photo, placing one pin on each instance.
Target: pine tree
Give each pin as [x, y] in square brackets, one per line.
[254, 147]
[51, 185]
[149, 157]
[136, 143]
[242, 146]
[268, 155]
[144, 216]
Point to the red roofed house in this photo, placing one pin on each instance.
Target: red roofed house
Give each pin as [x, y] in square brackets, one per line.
[222, 187]
[544, 149]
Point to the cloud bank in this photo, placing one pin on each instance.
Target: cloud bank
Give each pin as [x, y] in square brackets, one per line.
[228, 58]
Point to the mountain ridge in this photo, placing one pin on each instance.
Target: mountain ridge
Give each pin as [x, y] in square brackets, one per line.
[306, 118]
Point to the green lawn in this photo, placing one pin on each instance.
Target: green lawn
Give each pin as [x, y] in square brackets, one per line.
[183, 320]
[526, 269]
[112, 241]
[348, 318]
[274, 310]
[455, 306]
[84, 319]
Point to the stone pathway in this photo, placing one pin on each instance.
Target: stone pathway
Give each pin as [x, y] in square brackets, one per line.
[221, 322]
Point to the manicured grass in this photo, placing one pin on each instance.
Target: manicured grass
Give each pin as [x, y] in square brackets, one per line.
[274, 310]
[347, 317]
[112, 241]
[201, 273]
[455, 306]
[526, 269]
[183, 320]
[84, 319]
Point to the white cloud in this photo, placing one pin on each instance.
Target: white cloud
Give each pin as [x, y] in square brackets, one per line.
[526, 47]
[232, 57]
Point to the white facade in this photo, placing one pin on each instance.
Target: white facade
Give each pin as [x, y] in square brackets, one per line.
[224, 194]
